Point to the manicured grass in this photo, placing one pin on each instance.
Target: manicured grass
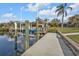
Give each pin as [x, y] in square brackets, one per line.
[74, 38]
[63, 30]
[52, 29]
[68, 30]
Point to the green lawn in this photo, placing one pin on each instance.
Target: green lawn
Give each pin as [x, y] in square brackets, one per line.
[52, 29]
[68, 30]
[74, 38]
[71, 30]
[63, 30]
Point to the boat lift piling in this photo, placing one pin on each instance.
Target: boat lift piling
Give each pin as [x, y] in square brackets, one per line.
[26, 35]
[15, 38]
[26, 43]
[37, 33]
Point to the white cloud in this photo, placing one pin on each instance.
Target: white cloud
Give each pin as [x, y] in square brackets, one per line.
[44, 12]
[35, 7]
[48, 12]
[8, 15]
[7, 20]
[74, 5]
[32, 7]
[51, 12]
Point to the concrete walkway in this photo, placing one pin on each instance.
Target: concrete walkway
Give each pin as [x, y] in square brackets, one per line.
[46, 46]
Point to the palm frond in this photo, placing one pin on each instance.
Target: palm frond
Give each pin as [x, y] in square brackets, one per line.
[69, 8]
[59, 13]
[59, 9]
[60, 6]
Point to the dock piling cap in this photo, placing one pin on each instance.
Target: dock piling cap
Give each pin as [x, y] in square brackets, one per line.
[15, 25]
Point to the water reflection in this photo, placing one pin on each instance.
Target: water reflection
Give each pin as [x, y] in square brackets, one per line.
[7, 45]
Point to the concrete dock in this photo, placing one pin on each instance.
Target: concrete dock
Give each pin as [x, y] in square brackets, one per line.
[46, 46]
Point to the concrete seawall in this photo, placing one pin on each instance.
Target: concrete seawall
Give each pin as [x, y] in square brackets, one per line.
[74, 47]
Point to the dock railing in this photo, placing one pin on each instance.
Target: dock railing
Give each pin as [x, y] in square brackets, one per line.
[74, 47]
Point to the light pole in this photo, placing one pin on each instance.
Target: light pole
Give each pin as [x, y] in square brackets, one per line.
[21, 18]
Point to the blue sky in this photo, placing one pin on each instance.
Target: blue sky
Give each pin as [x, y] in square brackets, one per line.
[30, 11]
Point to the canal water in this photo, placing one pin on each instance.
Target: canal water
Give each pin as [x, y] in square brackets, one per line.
[7, 45]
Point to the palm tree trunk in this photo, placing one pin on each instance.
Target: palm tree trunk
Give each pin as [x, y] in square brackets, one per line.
[62, 20]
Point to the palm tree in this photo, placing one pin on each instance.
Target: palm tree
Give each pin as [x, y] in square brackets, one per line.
[62, 10]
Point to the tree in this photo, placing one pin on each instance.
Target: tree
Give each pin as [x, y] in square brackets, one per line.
[62, 10]
[55, 23]
[74, 20]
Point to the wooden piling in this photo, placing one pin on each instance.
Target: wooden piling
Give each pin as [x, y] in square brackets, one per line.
[15, 38]
[37, 30]
[26, 46]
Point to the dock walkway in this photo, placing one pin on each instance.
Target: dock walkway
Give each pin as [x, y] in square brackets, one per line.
[46, 46]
